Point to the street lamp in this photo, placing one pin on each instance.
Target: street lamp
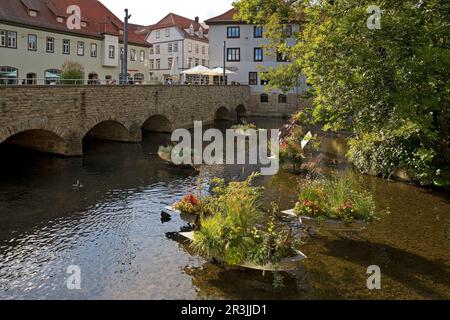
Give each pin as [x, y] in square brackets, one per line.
[124, 69]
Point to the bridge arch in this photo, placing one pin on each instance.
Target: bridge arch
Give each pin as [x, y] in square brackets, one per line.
[40, 140]
[222, 114]
[241, 111]
[111, 130]
[158, 123]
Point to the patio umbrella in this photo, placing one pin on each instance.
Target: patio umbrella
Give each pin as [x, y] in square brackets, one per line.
[219, 72]
[198, 70]
[174, 72]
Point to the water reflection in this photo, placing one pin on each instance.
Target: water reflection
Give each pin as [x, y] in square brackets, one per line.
[111, 227]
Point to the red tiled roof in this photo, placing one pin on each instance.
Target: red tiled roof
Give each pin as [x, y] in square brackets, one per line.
[174, 20]
[100, 20]
[226, 17]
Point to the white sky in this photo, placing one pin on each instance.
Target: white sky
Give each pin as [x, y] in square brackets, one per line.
[147, 12]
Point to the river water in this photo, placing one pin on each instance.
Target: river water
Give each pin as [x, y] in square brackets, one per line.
[102, 213]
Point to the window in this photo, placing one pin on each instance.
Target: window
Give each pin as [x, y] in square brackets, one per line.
[139, 78]
[200, 32]
[191, 30]
[189, 63]
[32, 42]
[142, 56]
[197, 61]
[112, 52]
[50, 45]
[80, 48]
[158, 49]
[167, 32]
[169, 63]
[2, 38]
[175, 47]
[132, 55]
[264, 98]
[204, 62]
[264, 82]
[158, 34]
[203, 50]
[12, 39]
[253, 78]
[170, 47]
[197, 48]
[234, 54]
[282, 98]
[258, 54]
[282, 57]
[190, 47]
[152, 64]
[52, 76]
[257, 32]
[233, 32]
[93, 50]
[8, 75]
[66, 46]
[152, 50]
[158, 63]
[287, 31]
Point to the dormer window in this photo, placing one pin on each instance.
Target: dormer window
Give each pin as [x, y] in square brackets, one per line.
[191, 30]
[121, 32]
[60, 19]
[32, 13]
[200, 32]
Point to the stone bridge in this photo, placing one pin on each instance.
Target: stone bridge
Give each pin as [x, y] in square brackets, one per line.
[57, 119]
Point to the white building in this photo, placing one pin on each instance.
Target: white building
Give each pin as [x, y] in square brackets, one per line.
[179, 39]
[35, 41]
[246, 57]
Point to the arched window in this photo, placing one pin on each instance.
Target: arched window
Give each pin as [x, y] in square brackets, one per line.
[52, 76]
[264, 98]
[282, 98]
[8, 75]
[138, 78]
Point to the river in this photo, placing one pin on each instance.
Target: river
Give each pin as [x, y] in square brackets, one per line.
[102, 212]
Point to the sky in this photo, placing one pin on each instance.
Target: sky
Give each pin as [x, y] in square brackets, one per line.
[147, 12]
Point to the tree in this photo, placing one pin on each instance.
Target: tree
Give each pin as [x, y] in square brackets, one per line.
[389, 86]
[72, 73]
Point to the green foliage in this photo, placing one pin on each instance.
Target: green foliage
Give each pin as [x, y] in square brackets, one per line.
[237, 229]
[72, 73]
[377, 83]
[338, 198]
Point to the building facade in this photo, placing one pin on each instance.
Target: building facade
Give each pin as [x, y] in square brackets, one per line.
[35, 41]
[245, 56]
[177, 43]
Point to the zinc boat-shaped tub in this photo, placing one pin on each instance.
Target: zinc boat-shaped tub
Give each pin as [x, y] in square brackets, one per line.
[188, 217]
[285, 264]
[329, 224]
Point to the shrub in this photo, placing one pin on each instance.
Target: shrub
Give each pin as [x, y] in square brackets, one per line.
[72, 73]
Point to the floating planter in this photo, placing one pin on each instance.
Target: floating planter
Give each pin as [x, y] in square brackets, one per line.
[327, 224]
[336, 204]
[285, 264]
[165, 153]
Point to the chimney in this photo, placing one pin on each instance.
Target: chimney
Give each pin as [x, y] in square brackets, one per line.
[197, 19]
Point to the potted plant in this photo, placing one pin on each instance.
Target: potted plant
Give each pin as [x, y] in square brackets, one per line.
[335, 203]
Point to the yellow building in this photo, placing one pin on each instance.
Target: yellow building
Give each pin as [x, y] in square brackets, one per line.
[38, 36]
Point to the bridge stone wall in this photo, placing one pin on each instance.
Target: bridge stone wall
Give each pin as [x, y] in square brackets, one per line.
[56, 119]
